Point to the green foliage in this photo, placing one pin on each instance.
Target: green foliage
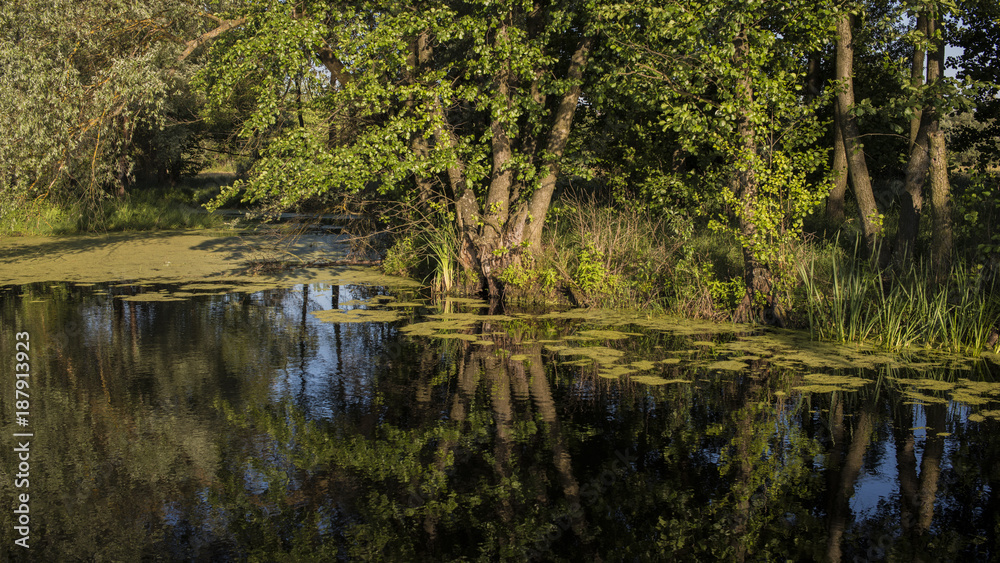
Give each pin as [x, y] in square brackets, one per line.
[91, 98]
[726, 294]
[368, 115]
[732, 92]
[977, 216]
[592, 275]
[401, 259]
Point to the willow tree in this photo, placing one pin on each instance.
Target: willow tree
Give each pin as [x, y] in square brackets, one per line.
[80, 82]
[729, 79]
[461, 108]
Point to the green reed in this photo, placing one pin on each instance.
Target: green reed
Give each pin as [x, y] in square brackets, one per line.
[896, 310]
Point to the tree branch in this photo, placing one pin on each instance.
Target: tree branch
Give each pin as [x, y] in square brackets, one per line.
[208, 36]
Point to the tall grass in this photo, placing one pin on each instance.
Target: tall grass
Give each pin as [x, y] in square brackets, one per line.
[442, 247]
[142, 210]
[617, 257]
[859, 303]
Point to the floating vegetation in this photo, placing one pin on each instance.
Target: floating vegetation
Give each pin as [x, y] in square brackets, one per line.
[600, 354]
[614, 372]
[456, 336]
[727, 365]
[655, 380]
[357, 316]
[146, 297]
[963, 391]
[370, 276]
[922, 398]
[602, 334]
[220, 287]
[926, 384]
[826, 383]
[643, 365]
[465, 301]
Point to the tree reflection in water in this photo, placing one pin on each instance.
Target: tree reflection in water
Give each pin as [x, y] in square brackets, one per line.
[238, 427]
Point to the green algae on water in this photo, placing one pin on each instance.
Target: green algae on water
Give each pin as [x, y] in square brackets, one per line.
[357, 316]
[727, 365]
[597, 353]
[602, 334]
[826, 383]
[655, 380]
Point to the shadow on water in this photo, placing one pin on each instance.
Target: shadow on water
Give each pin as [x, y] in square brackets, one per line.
[236, 425]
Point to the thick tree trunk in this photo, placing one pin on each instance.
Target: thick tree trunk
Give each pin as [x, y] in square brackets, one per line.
[942, 239]
[744, 185]
[856, 163]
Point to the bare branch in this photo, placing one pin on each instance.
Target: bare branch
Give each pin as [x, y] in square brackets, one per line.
[208, 36]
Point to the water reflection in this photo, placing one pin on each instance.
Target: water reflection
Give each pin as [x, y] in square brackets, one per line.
[240, 426]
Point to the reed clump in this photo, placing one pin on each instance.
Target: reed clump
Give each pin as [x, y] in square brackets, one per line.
[899, 309]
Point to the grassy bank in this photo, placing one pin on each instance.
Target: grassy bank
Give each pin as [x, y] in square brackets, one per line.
[167, 207]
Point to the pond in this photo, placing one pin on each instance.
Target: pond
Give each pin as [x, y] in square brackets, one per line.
[346, 416]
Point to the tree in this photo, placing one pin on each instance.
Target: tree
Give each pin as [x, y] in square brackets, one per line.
[463, 109]
[728, 79]
[846, 121]
[927, 150]
[80, 84]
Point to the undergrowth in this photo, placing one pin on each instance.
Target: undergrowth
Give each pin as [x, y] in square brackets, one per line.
[140, 210]
[599, 255]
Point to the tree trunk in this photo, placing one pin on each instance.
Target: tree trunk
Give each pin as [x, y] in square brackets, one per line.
[835, 201]
[856, 163]
[917, 75]
[418, 59]
[912, 201]
[744, 185]
[533, 218]
[941, 245]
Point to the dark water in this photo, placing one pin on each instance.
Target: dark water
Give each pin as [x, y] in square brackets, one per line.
[240, 427]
